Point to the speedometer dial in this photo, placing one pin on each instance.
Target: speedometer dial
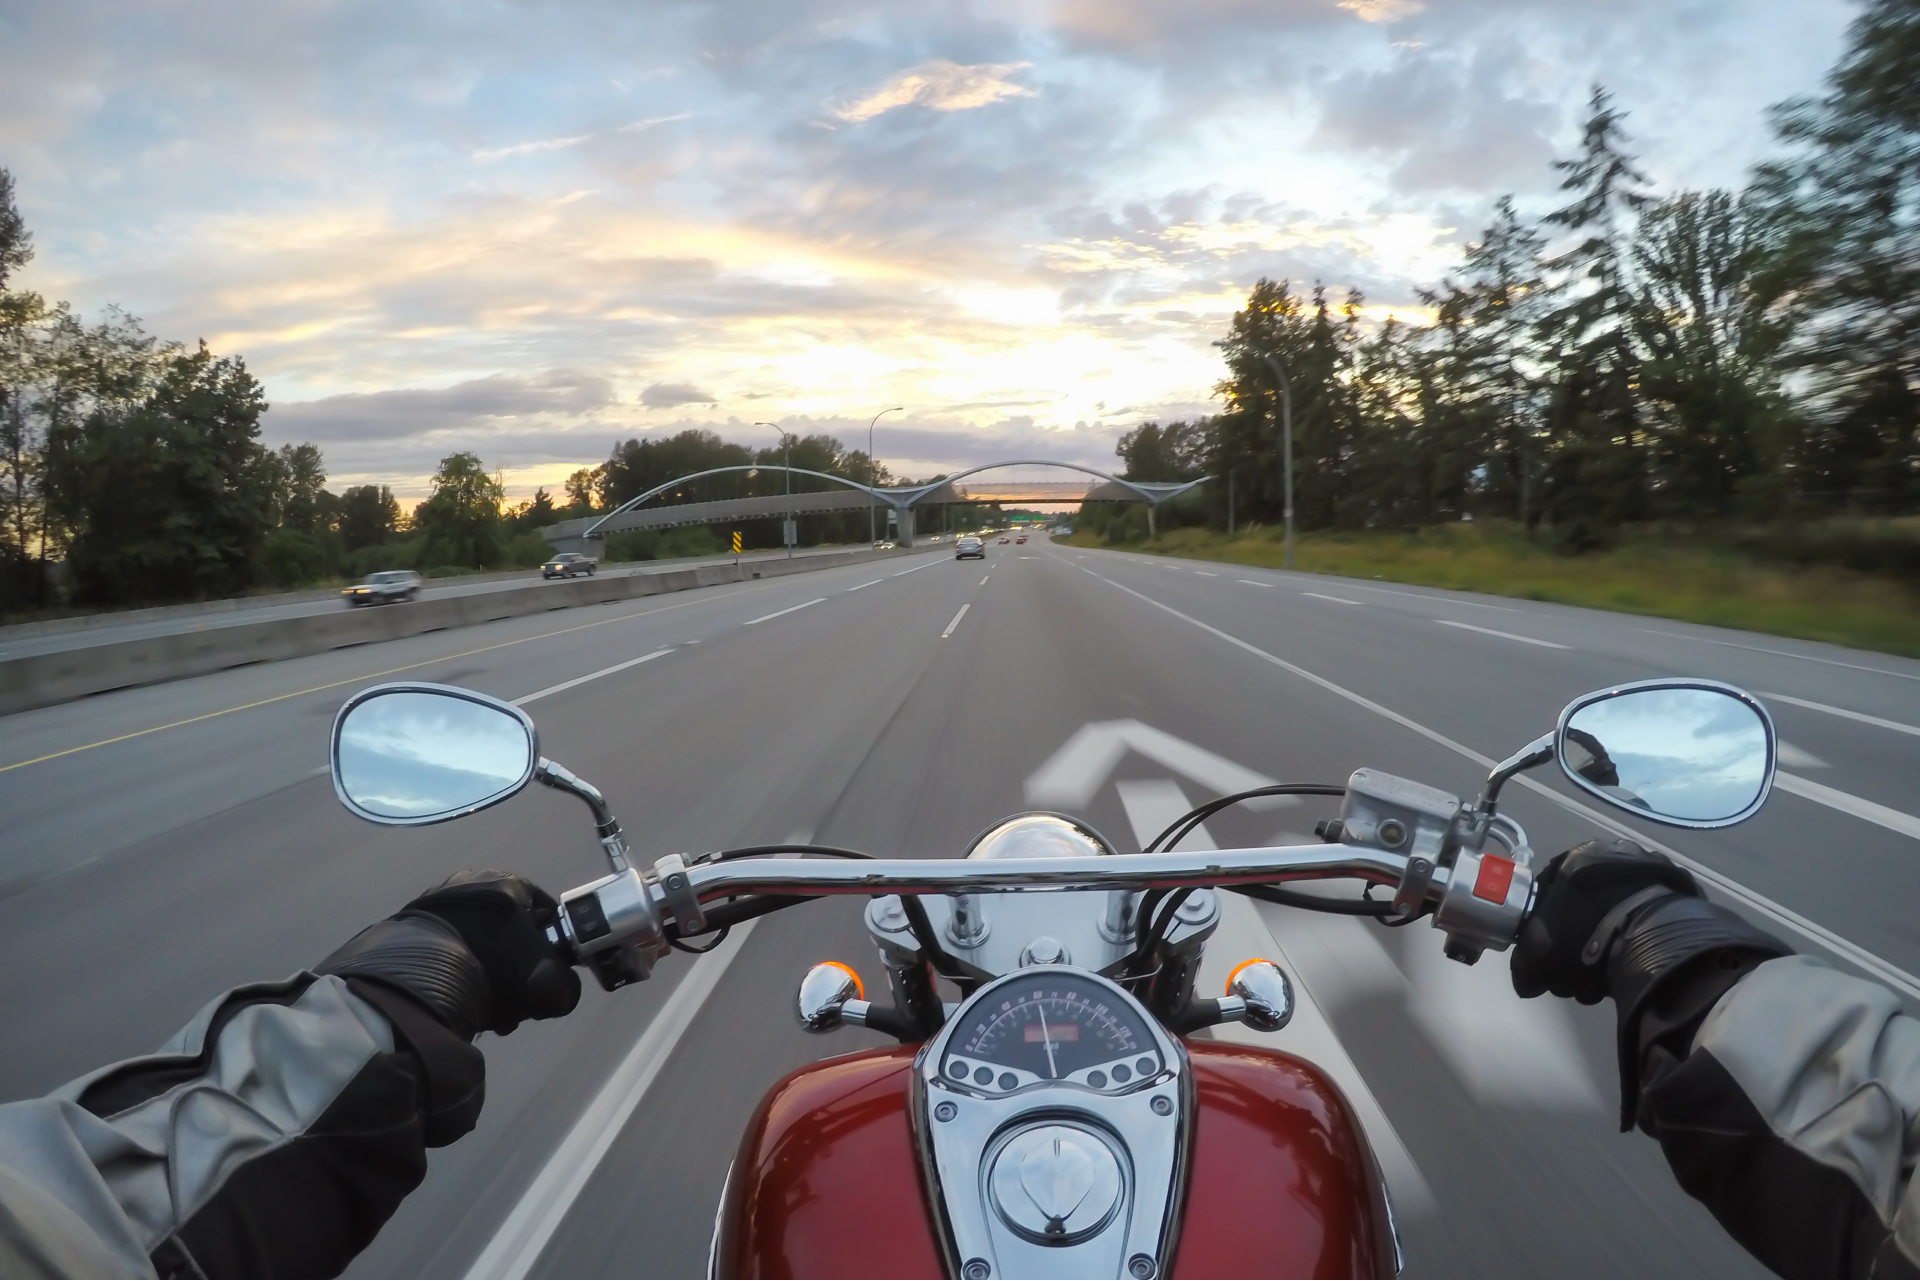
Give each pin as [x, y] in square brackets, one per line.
[1051, 1029]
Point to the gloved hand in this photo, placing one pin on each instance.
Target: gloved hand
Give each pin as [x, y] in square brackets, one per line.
[1573, 895]
[1611, 919]
[474, 950]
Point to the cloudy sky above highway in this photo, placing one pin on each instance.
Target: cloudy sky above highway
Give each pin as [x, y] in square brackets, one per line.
[531, 229]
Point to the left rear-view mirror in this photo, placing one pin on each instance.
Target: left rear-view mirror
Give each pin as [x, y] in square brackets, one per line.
[1691, 753]
[412, 754]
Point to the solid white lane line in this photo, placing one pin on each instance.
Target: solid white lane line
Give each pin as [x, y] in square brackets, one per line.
[1488, 631]
[875, 582]
[1885, 971]
[590, 676]
[956, 620]
[983, 582]
[780, 612]
[1847, 803]
[1862, 717]
[516, 1246]
[1340, 600]
[1781, 653]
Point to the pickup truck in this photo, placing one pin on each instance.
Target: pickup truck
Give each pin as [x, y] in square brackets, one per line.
[383, 588]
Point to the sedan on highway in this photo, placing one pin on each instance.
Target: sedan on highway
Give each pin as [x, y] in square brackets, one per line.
[567, 564]
[383, 588]
[1021, 539]
[969, 546]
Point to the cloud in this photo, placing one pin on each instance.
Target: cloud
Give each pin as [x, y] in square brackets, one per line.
[408, 412]
[669, 395]
[641, 126]
[1383, 10]
[529, 148]
[940, 86]
[332, 197]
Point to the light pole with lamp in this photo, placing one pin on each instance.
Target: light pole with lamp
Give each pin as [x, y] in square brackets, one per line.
[1286, 429]
[897, 409]
[787, 531]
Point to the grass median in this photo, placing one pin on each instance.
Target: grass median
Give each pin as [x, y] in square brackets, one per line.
[1656, 573]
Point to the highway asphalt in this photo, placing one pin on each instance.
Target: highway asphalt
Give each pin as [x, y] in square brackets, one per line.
[160, 844]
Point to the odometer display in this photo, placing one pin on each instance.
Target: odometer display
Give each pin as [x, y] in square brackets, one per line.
[1051, 1029]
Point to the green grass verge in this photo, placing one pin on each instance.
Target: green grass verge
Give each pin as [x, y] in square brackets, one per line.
[1657, 575]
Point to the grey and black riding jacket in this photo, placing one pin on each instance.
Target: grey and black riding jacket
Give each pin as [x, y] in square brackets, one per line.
[273, 1136]
[281, 1128]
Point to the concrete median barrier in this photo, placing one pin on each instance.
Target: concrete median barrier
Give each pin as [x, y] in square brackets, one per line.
[43, 680]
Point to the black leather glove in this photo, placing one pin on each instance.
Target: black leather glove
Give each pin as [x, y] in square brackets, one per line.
[1572, 896]
[1612, 919]
[473, 950]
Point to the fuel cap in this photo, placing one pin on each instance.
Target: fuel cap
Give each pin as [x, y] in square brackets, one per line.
[1056, 1184]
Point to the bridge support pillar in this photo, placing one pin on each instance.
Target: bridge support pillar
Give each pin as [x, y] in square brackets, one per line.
[905, 535]
[1152, 532]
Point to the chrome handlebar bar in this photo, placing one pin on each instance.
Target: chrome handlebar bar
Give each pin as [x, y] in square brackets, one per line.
[1173, 870]
[619, 924]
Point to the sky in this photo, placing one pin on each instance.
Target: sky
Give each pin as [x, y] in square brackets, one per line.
[535, 228]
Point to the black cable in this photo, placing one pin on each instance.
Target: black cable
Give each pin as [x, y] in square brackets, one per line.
[1426, 909]
[944, 962]
[1152, 926]
[1313, 902]
[718, 938]
[1200, 814]
[758, 851]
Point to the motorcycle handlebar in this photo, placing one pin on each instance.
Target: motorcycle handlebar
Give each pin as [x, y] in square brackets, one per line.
[620, 923]
[1172, 870]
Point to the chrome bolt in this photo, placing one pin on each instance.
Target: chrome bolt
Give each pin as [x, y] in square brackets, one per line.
[1162, 1105]
[945, 1112]
[1140, 1266]
[977, 1270]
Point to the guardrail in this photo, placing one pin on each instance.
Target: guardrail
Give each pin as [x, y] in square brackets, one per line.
[43, 680]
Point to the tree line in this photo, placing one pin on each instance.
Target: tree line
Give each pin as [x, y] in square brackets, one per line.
[1708, 356]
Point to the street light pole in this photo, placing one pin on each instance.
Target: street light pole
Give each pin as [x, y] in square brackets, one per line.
[1286, 429]
[787, 533]
[897, 409]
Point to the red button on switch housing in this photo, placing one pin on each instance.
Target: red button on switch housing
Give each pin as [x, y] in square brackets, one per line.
[1496, 877]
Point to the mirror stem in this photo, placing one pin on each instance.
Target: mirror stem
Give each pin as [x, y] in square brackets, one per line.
[560, 778]
[1538, 752]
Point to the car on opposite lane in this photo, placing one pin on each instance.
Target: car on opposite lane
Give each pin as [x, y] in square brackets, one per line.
[969, 546]
[383, 588]
[567, 564]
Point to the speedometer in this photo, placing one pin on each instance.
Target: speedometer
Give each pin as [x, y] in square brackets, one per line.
[1052, 1029]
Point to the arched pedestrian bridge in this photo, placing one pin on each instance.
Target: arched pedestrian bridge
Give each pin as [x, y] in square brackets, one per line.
[1092, 485]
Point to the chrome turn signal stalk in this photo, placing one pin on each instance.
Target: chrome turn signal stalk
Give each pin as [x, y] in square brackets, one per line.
[1259, 995]
[830, 995]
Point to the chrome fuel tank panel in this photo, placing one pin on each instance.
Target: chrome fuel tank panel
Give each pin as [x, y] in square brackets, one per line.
[1055, 1117]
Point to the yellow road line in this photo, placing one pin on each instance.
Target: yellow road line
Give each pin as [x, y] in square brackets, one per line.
[351, 680]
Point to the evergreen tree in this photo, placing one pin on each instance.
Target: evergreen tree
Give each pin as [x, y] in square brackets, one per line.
[1596, 472]
[1709, 382]
[1847, 262]
[1316, 349]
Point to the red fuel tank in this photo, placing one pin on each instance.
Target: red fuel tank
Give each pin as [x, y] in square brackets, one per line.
[1281, 1183]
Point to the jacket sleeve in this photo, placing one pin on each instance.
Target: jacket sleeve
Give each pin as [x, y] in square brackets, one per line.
[273, 1136]
[1793, 1113]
